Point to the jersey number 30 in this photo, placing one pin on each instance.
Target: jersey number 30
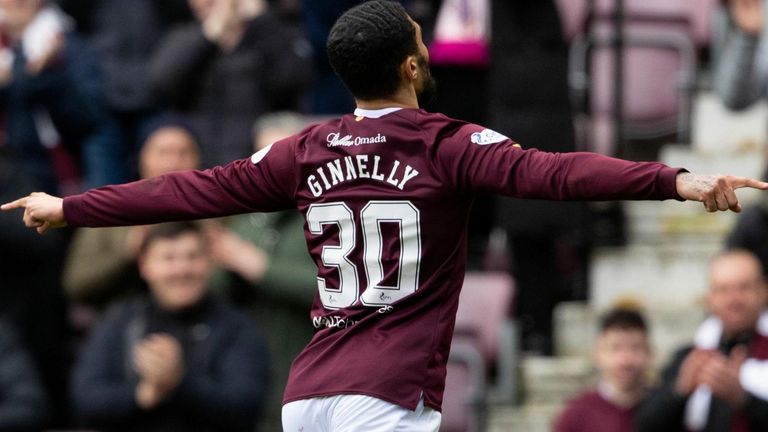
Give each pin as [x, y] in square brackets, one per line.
[372, 216]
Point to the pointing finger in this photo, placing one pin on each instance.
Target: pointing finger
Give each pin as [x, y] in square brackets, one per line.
[740, 182]
[19, 203]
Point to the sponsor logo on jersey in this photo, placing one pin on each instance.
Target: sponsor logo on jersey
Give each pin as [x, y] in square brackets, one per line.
[331, 322]
[336, 140]
[487, 136]
[259, 155]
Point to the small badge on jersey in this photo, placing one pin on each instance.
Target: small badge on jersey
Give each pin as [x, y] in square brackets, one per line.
[259, 155]
[487, 136]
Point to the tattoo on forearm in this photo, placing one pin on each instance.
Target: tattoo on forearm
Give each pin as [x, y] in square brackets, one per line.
[698, 183]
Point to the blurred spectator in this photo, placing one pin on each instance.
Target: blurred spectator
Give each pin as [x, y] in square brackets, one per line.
[101, 264]
[623, 355]
[459, 55]
[177, 360]
[267, 254]
[289, 10]
[721, 382]
[125, 33]
[751, 231]
[23, 402]
[31, 297]
[529, 102]
[328, 94]
[51, 90]
[741, 73]
[741, 78]
[236, 62]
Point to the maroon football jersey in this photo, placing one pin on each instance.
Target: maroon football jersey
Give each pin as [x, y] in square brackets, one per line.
[591, 412]
[386, 195]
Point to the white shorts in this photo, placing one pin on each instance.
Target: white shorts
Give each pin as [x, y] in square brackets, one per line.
[356, 413]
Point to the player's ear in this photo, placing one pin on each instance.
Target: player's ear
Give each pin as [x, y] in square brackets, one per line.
[409, 69]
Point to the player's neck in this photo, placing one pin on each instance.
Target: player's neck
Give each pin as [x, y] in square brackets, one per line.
[403, 98]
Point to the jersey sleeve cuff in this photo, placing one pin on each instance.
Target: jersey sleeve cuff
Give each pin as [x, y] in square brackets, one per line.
[73, 211]
[668, 182]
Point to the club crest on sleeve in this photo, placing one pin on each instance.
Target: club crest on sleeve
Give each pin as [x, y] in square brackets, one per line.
[259, 155]
[487, 136]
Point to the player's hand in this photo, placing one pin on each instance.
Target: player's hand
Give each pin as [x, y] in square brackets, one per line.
[41, 211]
[748, 15]
[715, 191]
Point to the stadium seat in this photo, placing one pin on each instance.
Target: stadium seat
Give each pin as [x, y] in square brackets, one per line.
[485, 339]
[660, 61]
[698, 14]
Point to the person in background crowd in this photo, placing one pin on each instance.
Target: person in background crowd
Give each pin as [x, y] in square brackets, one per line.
[751, 231]
[101, 264]
[270, 271]
[235, 63]
[125, 34]
[327, 94]
[51, 90]
[720, 383]
[31, 299]
[176, 360]
[741, 68]
[622, 355]
[23, 401]
[529, 99]
[390, 248]
[741, 79]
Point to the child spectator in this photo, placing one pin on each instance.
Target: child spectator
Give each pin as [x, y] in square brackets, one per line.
[622, 354]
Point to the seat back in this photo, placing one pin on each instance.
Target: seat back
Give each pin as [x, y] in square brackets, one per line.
[483, 336]
[659, 57]
[485, 303]
[696, 13]
[465, 390]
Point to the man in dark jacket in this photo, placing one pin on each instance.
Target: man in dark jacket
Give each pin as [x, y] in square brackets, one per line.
[529, 100]
[51, 90]
[720, 383]
[23, 401]
[226, 69]
[177, 361]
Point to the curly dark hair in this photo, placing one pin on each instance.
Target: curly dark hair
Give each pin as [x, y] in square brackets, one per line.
[367, 45]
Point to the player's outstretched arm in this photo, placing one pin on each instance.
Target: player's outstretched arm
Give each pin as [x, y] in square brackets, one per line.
[41, 211]
[716, 192]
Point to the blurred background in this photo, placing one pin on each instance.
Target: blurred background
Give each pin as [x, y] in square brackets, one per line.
[96, 92]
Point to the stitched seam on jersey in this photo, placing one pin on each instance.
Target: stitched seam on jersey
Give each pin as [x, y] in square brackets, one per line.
[300, 153]
[297, 174]
[434, 350]
[432, 166]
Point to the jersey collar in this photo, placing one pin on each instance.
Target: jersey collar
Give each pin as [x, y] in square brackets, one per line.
[360, 112]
